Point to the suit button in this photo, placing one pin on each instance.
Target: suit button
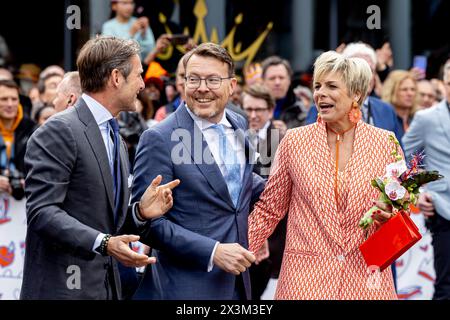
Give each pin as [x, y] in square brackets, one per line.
[341, 258]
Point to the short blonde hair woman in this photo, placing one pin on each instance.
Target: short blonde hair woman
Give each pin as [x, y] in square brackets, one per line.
[321, 176]
[400, 89]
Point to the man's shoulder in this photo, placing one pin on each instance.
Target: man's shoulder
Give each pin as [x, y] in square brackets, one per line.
[70, 114]
[430, 113]
[379, 103]
[163, 128]
[236, 117]
[61, 122]
[26, 124]
[371, 129]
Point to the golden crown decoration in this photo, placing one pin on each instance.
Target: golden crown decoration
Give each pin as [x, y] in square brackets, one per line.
[200, 35]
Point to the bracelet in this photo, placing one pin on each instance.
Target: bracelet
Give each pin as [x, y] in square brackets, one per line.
[104, 245]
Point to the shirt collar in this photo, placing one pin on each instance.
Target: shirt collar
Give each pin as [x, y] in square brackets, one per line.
[204, 124]
[100, 113]
[262, 133]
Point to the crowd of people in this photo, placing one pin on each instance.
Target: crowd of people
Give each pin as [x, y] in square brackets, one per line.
[267, 192]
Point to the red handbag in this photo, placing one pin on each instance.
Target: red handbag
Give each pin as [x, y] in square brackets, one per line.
[390, 241]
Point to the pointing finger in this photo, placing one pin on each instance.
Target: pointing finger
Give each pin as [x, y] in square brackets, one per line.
[129, 238]
[156, 181]
[171, 184]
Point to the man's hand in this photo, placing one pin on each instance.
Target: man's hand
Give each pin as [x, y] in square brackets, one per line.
[4, 185]
[425, 204]
[162, 43]
[118, 247]
[262, 253]
[233, 258]
[190, 45]
[145, 23]
[135, 28]
[157, 199]
[417, 73]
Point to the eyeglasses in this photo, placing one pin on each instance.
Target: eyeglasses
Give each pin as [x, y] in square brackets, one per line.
[257, 110]
[193, 82]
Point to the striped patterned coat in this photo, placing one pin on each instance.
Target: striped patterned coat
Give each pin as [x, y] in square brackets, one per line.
[322, 259]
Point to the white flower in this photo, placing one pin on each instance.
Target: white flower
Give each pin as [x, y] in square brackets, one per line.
[394, 190]
[396, 169]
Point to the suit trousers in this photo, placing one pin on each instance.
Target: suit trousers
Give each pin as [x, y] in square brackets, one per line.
[440, 230]
[239, 289]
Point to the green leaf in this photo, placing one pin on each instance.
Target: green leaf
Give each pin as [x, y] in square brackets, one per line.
[378, 183]
[366, 221]
[385, 199]
[419, 179]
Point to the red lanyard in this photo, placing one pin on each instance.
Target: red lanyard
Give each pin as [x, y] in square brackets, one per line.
[338, 142]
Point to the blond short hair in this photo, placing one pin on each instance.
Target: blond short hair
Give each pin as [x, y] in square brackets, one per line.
[355, 72]
[392, 84]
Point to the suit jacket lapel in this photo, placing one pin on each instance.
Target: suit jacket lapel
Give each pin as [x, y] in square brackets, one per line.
[97, 145]
[323, 179]
[201, 155]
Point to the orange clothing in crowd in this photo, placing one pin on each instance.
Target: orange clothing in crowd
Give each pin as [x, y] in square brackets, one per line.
[8, 134]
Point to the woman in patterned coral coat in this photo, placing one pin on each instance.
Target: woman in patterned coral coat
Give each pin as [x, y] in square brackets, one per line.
[326, 198]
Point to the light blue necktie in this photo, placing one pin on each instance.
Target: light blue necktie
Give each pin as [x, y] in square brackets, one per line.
[228, 155]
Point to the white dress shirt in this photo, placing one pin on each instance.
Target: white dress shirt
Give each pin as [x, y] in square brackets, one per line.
[259, 135]
[102, 116]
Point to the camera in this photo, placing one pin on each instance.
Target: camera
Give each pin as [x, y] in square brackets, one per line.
[15, 181]
[179, 39]
[131, 127]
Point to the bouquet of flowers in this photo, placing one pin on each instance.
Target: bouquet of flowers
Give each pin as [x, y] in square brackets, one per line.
[400, 185]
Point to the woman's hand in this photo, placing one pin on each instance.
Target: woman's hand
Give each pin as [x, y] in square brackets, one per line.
[383, 214]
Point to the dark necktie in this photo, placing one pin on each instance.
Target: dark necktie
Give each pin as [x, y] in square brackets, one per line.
[117, 178]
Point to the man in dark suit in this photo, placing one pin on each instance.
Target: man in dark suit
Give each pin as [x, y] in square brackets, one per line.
[277, 77]
[76, 185]
[201, 242]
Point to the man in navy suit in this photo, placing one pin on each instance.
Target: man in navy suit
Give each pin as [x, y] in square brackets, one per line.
[201, 243]
[375, 111]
